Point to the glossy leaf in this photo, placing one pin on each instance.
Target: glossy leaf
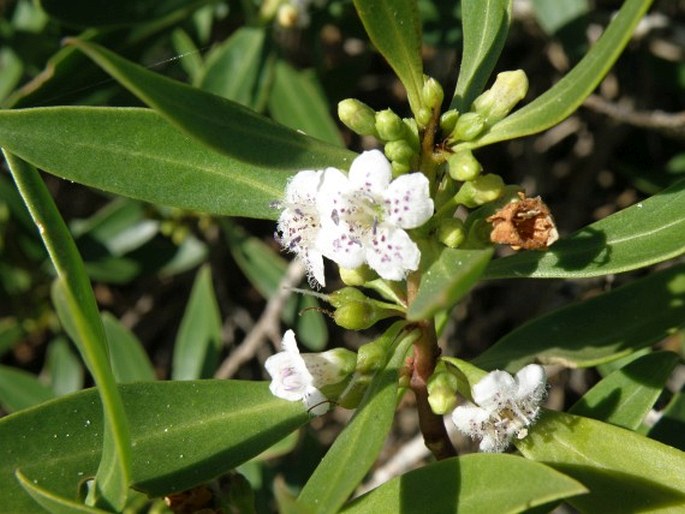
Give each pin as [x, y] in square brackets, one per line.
[447, 280]
[198, 341]
[75, 305]
[219, 123]
[485, 25]
[645, 233]
[232, 69]
[183, 434]
[53, 503]
[565, 96]
[20, 389]
[603, 328]
[394, 28]
[130, 362]
[297, 101]
[357, 447]
[472, 483]
[135, 153]
[64, 368]
[625, 397]
[624, 471]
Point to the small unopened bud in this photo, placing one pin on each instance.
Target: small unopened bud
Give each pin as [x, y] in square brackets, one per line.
[448, 120]
[399, 168]
[432, 93]
[356, 311]
[389, 125]
[371, 357]
[482, 189]
[463, 166]
[442, 391]
[358, 116]
[469, 126]
[423, 116]
[510, 88]
[399, 151]
[451, 232]
[357, 276]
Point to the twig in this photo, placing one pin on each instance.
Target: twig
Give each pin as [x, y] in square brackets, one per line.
[268, 324]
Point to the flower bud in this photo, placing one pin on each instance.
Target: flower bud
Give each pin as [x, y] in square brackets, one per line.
[357, 276]
[399, 168]
[448, 120]
[399, 151]
[389, 125]
[510, 88]
[482, 189]
[423, 116]
[469, 126]
[432, 93]
[463, 166]
[371, 357]
[358, 116]
[451, 232]
[442, 390]
[355, 311]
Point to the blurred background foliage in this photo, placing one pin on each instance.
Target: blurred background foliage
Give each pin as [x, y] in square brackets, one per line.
[185, 294]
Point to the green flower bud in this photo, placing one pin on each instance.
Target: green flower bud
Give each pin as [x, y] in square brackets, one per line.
[389, 125]
[371, 357]
[482, 189]
[423, 116]
[451, 232]
[448, 120]
[357, 276]
[463, 166]
[442, 390]
[358, 116]
[412, 133]
[399, 168]
[510, 88]
[469, 126]
[399, 151]
[432, 93]
[355, 311]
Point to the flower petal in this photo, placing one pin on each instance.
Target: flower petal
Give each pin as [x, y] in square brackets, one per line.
[407, 201]
[289, 375]
[370, 172]
[531, 382]
[316, 403]
[391, 252]
[495, 391]
[469, 419]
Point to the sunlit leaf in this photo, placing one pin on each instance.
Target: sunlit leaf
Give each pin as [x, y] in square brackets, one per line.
[130, 362]
[53, 503]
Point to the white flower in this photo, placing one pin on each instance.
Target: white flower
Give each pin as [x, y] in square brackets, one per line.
[363, 216]
[298, 225]
[505, 407]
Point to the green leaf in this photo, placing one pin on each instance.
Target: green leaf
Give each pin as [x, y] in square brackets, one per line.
[219, 123]
[75, 305]
[625, 397]
[191, 60]
[198, 341]
[669, 428]
[472, 483]
[356, 448]
[135, 153]
[645, 233]
[624, 471]
[52, 502]
[554, 16]
[183, 433]
[20, 389]
[447, 280]
[297, 101]
[485, 27]
[63, 367]
[603, 328]
[394, 28]
[232, 68]
[129, 359]
[565, 96]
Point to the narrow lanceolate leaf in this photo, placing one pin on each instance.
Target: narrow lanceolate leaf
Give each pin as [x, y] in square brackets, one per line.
[473, 483]
[136, 153]
[394, 28]
[447, 280]
[78, 312]
[53, 503]
[183, 433]
[20, 389]
[130, 362]
[356, 448]
[625, 397]
[565, 96]
[624, 471]
[603, 328]
[198, 341]
[645, 233]
[226, 126]
[485, 25]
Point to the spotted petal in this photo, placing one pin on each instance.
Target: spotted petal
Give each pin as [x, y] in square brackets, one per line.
[370, 172]
[407, 201]
[391, 252]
